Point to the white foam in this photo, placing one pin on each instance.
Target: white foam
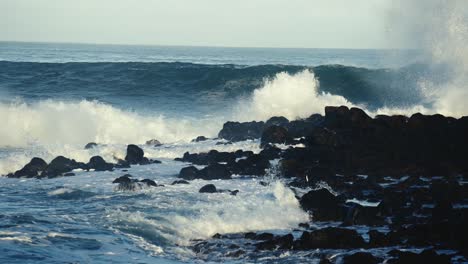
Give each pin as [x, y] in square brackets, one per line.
[292, 96]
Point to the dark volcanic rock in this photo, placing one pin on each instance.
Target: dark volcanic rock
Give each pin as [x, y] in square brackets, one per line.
[427, 256]
[235, 131]
[200, 139]
[99, 164]
[277, 121]
[154, 142]
[32, 169]
[330, 237]
[180, 182]
[188, 173]
[214, 172]
[360, 258]
[209, 188]
[135, 155]
[324, 205]
[275, 134]
[61, 165]
[279, 242]
[150, 182]
[91, 145]
[123, 179]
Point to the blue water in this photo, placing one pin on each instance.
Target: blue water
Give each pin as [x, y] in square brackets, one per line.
[54, 98]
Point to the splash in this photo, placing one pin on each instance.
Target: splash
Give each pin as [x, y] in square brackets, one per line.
[292, 96]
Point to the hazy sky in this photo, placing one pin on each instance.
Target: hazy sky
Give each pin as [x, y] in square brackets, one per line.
[251, 23]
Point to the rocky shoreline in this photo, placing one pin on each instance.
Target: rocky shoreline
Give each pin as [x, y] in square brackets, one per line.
[374, 187]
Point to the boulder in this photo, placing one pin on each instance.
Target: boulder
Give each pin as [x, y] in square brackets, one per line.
[330, 237]
[149, 182]
[61, 165]
[277, 121]
[135, 155]
[235, 131]
[124, 179]
[324, 205]
[277, 242]
[214, 172]
[188, 173]
[90, 145]
[99, 164]
[154, 142]
[180, 182]
[275, 134]
[360, 258]
[426, 256]
[200, 139]
[32, 169]
[209, 188]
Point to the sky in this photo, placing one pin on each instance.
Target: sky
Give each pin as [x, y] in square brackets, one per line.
[235, 23]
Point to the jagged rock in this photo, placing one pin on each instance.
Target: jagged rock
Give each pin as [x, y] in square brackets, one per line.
[277, 121]
[32, 169]
[123, 179]
[154, 142]
[279, 242]
[135, 155]
[214, 172]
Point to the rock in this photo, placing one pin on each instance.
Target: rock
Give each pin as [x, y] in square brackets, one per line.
[330, 237]
[68, 174]
[209, 188]
[154, 142]
[277, 121]
[150, 182]
[360, 258]
[235, 192]
[379, 239]
[200, 139]
[61, 165]
[91, 145]
[235, 131]
[188, 173]
[324, 205]
[261, 236]
[180, 182]
[99, 164]
[32, 169]
[135, 155]
[123, 179]
[213, 156]
[356, 214]
[280, 242]
[275, 134]
[214, 172]
[254, 165]
[427, 256]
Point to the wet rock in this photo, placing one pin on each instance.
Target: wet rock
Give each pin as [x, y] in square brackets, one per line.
[135, 155]
[154, 142]
[209, 188]
[32, 169]
[356, 214]
[235, 131]
[261, 236]
[69, 174]
[123, 179]
[360, 258]
[279, 242]
[99, 164]
[235, 192]
[235, 254]
[254, 165]
[379, 239]
[188, 173]
[91, 145]
[211, 157]
[149, 182]
[200, 139]
[275, 134]
[61, 165]
[324, 205]
[214, 172]
[330, 237]
[426, 256]
[180, 182]
[277, 121]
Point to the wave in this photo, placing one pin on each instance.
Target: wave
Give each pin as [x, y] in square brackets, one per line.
[180, 83]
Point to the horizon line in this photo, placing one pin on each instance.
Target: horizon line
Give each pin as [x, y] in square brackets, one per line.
[191, 46]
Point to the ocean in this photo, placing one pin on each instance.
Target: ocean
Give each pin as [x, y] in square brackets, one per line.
[56, 98]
